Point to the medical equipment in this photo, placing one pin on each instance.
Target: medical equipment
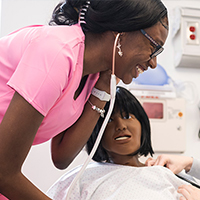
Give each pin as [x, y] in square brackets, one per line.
[166, 113]
[167, 119]
[157, 92]
[112, 101]
[157, 76]
[186, 37]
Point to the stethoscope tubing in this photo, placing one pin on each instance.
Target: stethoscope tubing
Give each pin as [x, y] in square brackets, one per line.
[110, 109]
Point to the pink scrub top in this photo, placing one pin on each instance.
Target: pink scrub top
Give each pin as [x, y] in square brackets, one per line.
[44, 64]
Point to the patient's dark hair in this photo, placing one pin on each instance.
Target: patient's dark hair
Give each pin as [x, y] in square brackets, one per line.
[126, 103]
[111, 15]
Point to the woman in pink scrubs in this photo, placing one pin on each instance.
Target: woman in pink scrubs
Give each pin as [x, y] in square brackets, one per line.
[54, 80]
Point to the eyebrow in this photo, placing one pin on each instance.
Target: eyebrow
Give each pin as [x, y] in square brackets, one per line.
[164, 25]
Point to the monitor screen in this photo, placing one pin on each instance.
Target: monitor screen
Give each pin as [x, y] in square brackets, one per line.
[154, 110]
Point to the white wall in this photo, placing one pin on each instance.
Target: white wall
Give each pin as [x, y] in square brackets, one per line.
[38, 166]
[19, 13]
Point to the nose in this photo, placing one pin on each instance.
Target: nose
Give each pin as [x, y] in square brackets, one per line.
[153, 62]
[120, 125]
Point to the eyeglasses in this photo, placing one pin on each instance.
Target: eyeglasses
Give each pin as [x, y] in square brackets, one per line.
[158, 49]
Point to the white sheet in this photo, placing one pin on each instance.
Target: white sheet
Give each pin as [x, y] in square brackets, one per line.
[117, 182]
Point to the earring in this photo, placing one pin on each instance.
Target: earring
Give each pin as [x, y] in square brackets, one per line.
[119, 48]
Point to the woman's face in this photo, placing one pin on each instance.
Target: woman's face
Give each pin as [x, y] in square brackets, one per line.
[122, 135]
[136, 50]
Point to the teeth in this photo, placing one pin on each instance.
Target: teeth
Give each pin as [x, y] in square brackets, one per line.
[122, 138]
[139, 70]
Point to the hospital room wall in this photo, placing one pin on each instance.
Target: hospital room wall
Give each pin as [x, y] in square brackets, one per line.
[38, 166]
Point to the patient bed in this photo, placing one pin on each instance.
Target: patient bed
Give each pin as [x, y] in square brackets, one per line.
[103, 181]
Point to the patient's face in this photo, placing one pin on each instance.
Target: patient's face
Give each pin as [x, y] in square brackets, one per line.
[122, 135]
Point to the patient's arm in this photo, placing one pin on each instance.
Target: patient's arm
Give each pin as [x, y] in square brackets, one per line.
[175, 163]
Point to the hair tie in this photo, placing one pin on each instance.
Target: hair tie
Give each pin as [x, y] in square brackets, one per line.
[83, 11]
[76, 9]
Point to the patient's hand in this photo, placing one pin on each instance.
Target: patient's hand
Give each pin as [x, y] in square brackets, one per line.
[175, 163]
[189, 192]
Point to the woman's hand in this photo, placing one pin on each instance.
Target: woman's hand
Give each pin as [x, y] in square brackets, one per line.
[175, 163]
[189, 192]
[103, 82]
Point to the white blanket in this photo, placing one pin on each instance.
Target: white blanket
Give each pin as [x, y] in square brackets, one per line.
[118, 182]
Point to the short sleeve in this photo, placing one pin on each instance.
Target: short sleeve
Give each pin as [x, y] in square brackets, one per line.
[43, 73]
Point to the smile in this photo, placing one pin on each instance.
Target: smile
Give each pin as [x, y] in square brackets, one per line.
[139, 69]
[122, 137]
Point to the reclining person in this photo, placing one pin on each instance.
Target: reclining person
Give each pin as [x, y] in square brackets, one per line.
[118, 173]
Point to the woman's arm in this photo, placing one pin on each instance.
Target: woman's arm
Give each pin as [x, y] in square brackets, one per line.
[17, 132]
[69, 143]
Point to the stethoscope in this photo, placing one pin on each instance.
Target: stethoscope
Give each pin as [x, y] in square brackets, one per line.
[110, 109]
